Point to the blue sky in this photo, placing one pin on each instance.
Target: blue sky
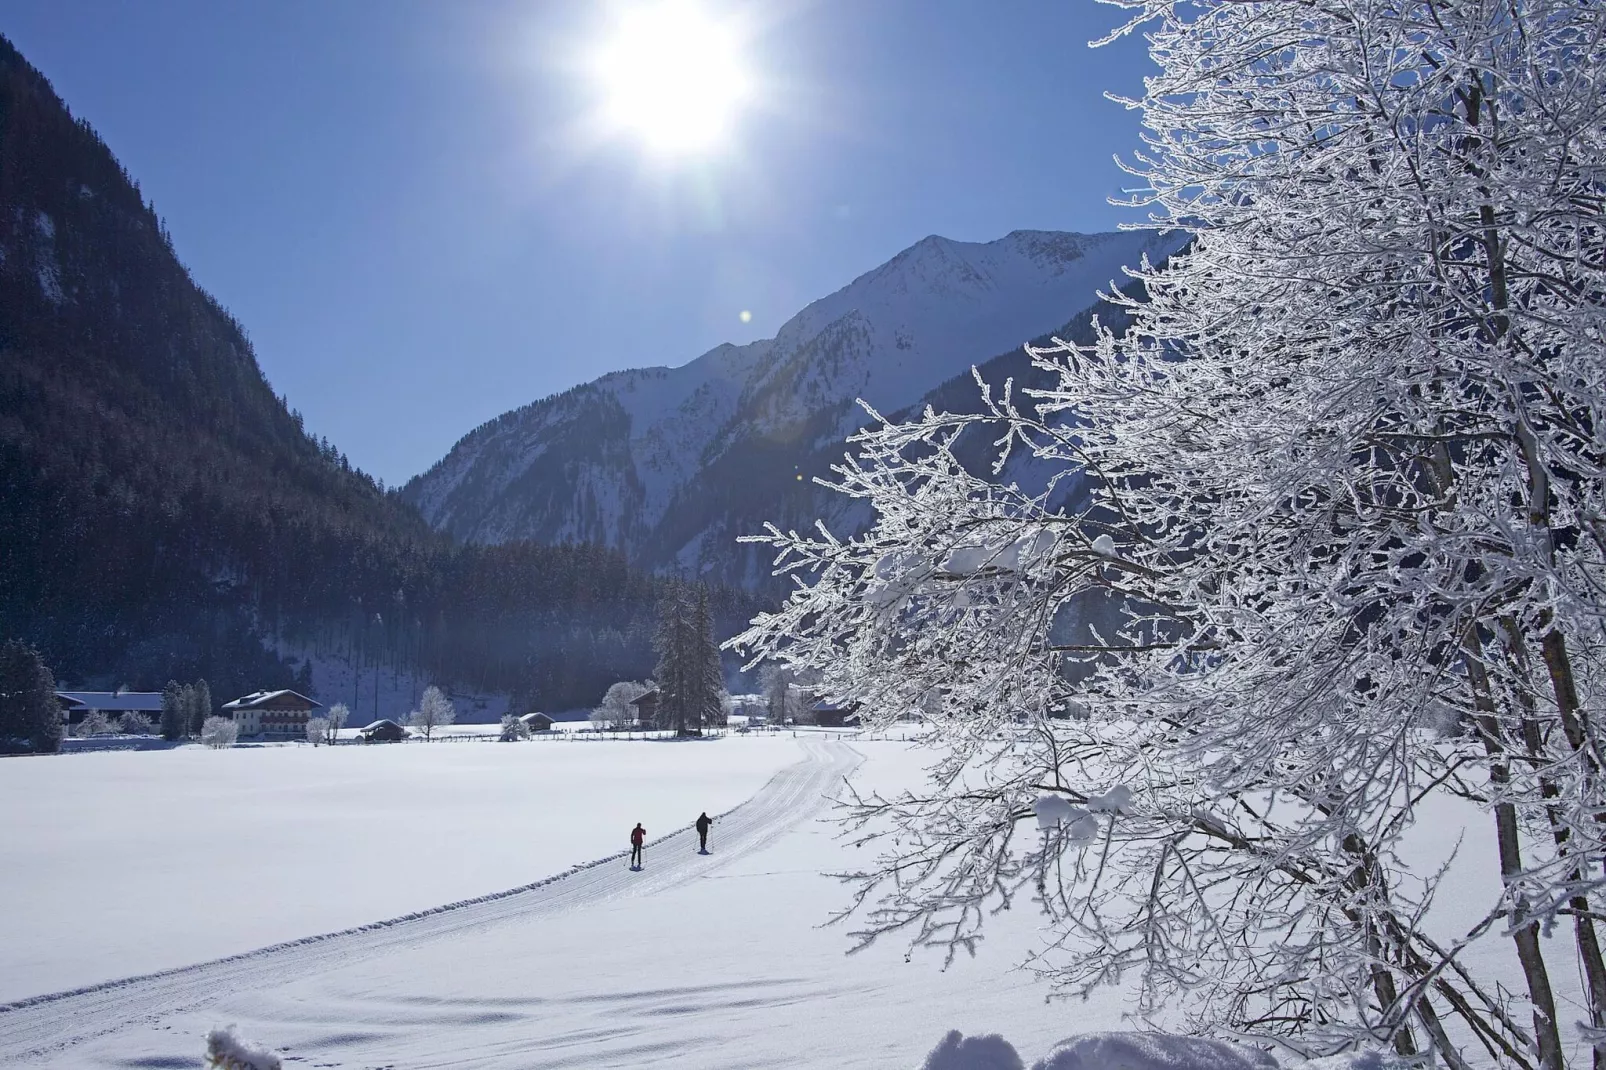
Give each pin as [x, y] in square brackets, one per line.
[404, 203]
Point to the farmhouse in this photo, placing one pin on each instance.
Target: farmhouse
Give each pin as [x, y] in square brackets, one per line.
[274, 714]
[76, 705]
[537, 722]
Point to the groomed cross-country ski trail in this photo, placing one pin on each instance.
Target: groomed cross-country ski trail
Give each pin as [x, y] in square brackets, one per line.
[47, 1027]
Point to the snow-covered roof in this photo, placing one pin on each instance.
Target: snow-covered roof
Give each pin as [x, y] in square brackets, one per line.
[262, 698]
[382, 722]
[542, 716]
[113, 701]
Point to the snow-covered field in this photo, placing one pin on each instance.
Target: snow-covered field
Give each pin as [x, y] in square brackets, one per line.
[122, 863]
[705, 962]
[697, 962]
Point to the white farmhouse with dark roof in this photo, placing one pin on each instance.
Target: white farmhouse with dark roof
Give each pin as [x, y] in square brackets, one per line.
[273, 714]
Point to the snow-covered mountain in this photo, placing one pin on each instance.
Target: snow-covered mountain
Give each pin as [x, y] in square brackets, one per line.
[671, 464]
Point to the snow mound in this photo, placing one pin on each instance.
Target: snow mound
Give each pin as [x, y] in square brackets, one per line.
[959, 1052]
[1364, 1060]
[226, 1051]
[1152, 1051]
[1124, 1051]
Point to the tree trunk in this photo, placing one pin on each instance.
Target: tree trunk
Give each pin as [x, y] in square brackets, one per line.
[1526, 937]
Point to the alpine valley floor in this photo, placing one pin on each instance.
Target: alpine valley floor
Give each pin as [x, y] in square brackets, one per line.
[714, 962]
[698, 961]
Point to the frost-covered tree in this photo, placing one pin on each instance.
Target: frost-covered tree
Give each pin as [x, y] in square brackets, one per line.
[514, 729]
[30, 716]
[616, 708]
[219, 732]
[434, 711]
[1340, 549]
[95, 723]
[337, 716]
[317, 731]
[133, 723]
[783, 697]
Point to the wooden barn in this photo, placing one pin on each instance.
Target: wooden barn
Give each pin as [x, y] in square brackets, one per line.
[646, 708]
[383, 731]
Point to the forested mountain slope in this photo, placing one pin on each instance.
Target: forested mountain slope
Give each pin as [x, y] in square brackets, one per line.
[166, 515]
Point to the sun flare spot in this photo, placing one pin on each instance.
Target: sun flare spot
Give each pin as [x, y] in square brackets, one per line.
[672, 75]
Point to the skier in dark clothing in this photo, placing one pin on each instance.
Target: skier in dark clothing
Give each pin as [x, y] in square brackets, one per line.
[638, 836]
[702, 833]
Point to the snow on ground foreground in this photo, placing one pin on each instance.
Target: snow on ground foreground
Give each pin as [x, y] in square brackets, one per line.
[123, 863]
[718, 962]
[1128, 1051]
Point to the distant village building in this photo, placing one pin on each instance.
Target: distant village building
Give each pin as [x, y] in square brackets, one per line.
[537, 722]
[385, 731]
[272, 714]
[76, 705]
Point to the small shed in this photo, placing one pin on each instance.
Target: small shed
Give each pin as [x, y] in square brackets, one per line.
[537, 722]
[646, 707]
[383, 731]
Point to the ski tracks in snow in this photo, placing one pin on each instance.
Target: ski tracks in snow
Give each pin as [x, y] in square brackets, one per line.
[44, 1026]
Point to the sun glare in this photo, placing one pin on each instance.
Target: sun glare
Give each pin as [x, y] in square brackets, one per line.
[671, 75]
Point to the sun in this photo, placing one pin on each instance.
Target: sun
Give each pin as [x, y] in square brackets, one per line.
[671, 75]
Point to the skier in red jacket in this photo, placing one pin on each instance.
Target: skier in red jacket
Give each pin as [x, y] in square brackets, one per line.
[638, 836]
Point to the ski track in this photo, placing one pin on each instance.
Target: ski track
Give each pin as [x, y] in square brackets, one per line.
[42, 1026]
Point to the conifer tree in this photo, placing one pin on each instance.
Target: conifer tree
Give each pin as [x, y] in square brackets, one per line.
[690, 681]
[709, 689]
[174, 715]
[30, 716]
[670, 645]
[188, 711]
[203, 706]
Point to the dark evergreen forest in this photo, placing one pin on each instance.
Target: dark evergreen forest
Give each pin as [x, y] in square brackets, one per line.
[163, 512]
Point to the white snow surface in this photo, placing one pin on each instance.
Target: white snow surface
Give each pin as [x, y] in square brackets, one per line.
[704, 963]
[126, 862]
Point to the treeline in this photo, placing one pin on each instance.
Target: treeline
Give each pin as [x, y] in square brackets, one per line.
[165, 511]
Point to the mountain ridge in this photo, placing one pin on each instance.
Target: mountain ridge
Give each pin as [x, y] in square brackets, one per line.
[634, 452]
